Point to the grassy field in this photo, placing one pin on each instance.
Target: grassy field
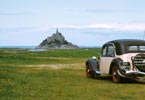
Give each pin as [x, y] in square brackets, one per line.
[58, 75]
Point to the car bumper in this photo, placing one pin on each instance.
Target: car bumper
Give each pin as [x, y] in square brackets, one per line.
[131, 74]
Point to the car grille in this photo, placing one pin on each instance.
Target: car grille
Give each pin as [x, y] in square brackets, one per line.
[139, 62]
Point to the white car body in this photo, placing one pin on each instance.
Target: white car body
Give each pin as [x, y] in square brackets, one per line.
[123, 59]
[105, 67]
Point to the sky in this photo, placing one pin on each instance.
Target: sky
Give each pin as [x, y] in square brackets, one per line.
[82, 22]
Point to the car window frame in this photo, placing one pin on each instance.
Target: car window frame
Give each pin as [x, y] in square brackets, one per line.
[106, 48]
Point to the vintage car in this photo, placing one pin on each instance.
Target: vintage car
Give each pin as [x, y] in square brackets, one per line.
[121, 59]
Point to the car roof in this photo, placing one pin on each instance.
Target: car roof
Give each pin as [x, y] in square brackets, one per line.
[126, 41]
[121, 44]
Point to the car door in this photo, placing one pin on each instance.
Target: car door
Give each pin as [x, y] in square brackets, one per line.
[107, 55]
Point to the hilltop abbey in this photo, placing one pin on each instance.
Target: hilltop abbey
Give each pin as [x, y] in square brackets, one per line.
[56, 41]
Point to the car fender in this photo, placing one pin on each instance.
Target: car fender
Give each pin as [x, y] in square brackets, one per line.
[92, 64]
[114, 61]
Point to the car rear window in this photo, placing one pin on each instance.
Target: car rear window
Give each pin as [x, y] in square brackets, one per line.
[136, 48]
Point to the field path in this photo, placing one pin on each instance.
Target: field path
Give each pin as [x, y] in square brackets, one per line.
[58, 66]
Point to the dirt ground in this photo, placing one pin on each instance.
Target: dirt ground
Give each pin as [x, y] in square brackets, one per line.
[58, 66]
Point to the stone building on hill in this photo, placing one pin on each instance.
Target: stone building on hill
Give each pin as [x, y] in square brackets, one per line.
[56, 41]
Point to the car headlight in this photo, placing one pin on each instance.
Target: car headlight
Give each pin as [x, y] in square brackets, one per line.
[124, 65]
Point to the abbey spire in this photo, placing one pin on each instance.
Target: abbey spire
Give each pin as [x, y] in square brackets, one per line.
[57, 30]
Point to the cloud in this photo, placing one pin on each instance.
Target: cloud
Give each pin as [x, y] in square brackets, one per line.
[113, 10]
[119, 27]
[98, 27]
[15, 13]
[131, 27]
[100, 10]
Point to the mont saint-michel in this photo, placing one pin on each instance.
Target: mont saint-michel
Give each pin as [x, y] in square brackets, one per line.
[56, 41]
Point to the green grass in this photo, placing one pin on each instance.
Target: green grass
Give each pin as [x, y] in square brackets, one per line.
[29, 83]
[49, 57]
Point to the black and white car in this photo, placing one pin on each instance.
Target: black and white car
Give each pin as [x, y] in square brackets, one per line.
[121, 59]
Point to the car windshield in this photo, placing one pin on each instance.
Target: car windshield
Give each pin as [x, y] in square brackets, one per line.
[136, 48]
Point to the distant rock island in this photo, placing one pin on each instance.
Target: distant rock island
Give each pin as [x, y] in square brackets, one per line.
[56, 41]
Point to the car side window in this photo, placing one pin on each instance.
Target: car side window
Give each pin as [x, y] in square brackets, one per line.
[110, 51]
[104, 51]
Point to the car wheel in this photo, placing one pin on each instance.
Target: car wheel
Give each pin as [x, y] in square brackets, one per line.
[115, 76]
[89, 72]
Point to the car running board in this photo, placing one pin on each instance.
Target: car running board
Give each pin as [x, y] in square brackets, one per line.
[98, 72]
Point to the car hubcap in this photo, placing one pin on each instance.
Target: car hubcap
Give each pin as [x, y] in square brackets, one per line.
[88, 72]
[115, 75]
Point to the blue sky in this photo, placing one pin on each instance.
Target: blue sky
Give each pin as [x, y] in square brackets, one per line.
[82, 22]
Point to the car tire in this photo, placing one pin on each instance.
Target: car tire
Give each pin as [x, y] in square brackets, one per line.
[115, 76]
[89, 72]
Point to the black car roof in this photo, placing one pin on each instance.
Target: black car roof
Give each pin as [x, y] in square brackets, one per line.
[121, 44]
[126, 41]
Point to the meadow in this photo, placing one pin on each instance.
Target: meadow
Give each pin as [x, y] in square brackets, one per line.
[58, 75]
